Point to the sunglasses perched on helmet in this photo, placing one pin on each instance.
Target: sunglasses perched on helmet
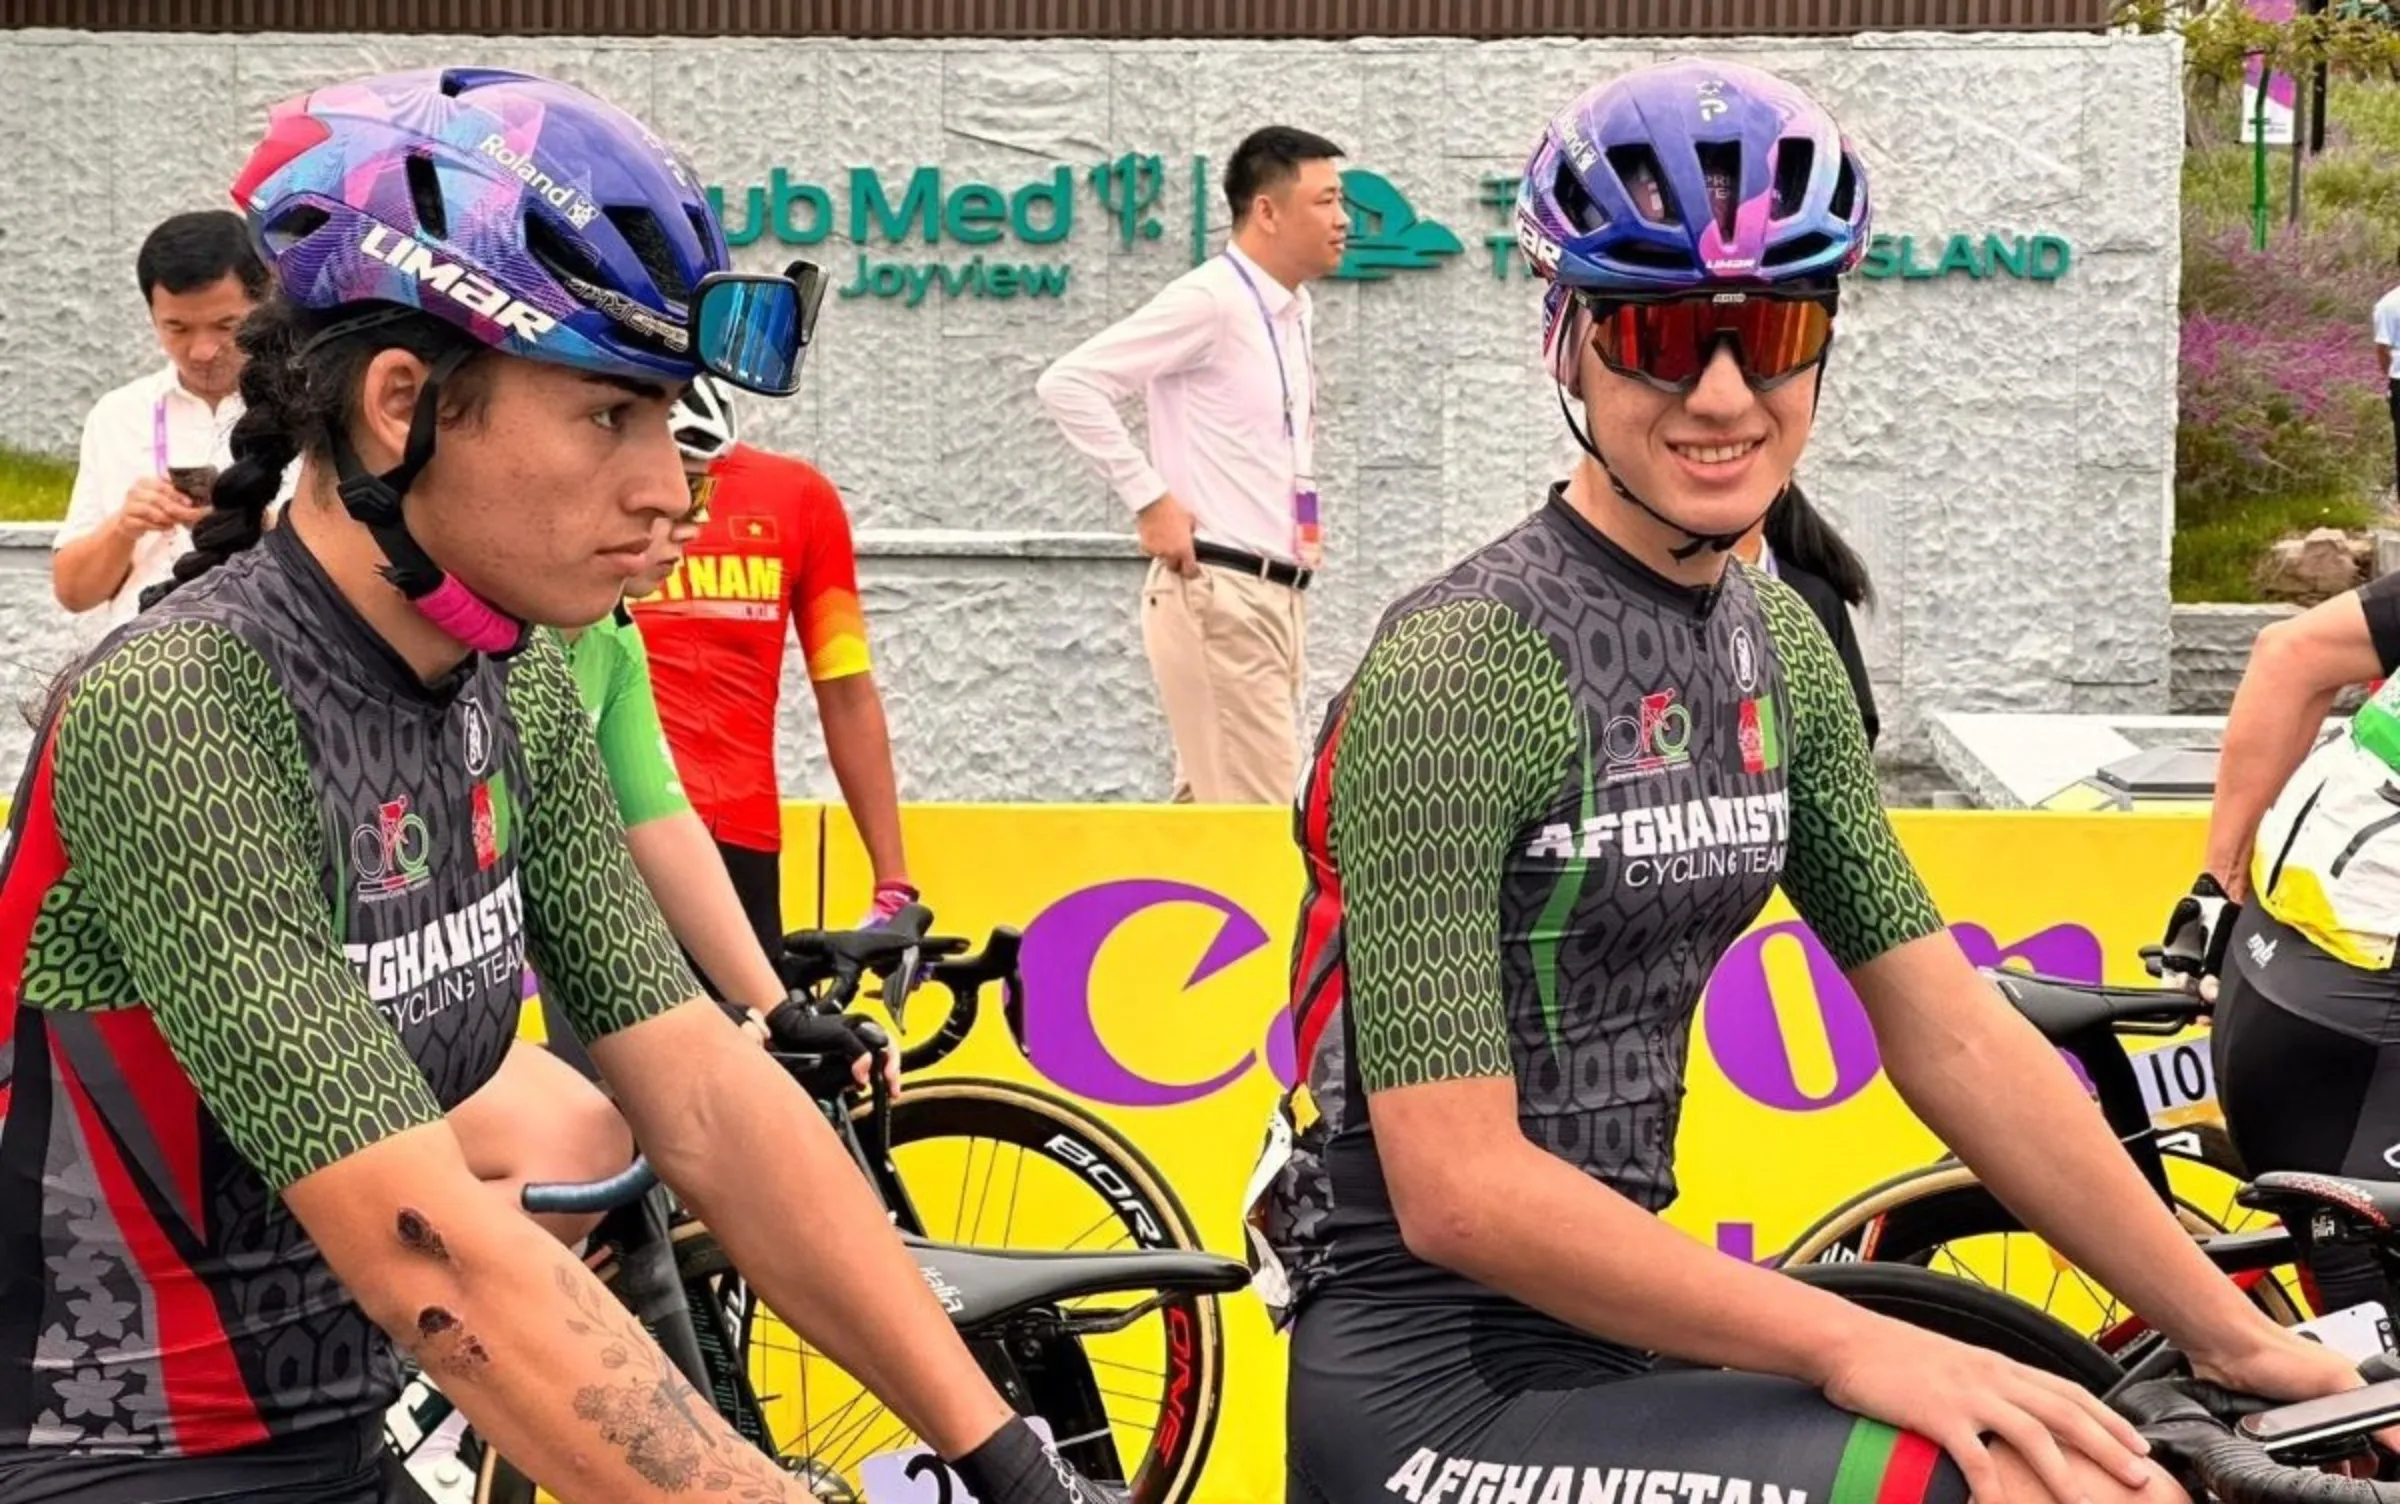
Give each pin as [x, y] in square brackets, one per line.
[1667, 342]
[753, 329]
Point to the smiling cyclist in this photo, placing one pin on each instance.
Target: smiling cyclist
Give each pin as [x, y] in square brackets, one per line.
[1567, 775]
[291, 835]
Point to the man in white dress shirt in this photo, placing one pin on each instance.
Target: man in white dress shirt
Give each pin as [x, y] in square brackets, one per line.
[152, 446]
[1225, 502]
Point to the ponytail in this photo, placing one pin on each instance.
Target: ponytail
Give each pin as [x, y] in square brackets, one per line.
[265, 442]
[1799, 533]
[301, 369]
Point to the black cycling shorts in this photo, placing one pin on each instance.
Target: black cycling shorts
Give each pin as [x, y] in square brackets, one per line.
[2307, 1055]
[335, 1467]
[1382, 1411]
[758, 880]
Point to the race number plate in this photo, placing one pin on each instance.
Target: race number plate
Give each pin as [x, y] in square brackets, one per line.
[2175, 1076]
[2357, 1332]
[914, 1475]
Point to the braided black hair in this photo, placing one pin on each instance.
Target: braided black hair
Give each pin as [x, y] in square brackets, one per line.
[301, 372]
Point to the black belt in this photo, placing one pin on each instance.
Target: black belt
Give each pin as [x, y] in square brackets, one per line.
[1274, 571]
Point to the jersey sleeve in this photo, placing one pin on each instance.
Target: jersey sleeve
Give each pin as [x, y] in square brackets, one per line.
[1846, 873]
[2380, 599]
[633, 745]
[1453, 738]
[598, 941]
[825, 608]
[181, 795]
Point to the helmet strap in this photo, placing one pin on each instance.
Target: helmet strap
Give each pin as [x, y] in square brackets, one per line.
[1716, 542]
[375, 500]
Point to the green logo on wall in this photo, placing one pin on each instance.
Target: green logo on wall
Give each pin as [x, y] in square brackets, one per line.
[1386, 234]
[873, 211]
[2035, 258]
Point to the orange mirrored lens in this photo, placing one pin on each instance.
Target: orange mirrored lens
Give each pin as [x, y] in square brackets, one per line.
[1671, 343]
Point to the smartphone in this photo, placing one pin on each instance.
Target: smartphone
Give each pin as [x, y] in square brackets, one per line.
[2344, 1417]
[197, 482]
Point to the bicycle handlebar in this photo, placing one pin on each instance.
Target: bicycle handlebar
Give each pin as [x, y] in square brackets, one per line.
[2187, 1422]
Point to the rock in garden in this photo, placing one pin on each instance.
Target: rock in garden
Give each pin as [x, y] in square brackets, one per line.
[2311, 568]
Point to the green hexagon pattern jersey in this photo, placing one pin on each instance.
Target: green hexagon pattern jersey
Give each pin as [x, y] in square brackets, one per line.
[268, 899]
[1557, 790]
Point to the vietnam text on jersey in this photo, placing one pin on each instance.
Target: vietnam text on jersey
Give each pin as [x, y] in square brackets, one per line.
[775, 549]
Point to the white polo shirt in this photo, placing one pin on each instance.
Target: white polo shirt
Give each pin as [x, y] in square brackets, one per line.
[2387, 327]
[1214, 384]
[142, 428]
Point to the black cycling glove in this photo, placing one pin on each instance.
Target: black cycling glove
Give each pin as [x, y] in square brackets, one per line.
[1018, 1467]
[837, 1040]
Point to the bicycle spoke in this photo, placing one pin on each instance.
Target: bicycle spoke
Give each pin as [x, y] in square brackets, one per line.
[1008, 1230]
[1106, 1218]
[958, 1219]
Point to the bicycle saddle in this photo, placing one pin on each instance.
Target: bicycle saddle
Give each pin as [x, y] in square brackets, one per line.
[2062, 1009]
[981, 1286]
[2337, 1208]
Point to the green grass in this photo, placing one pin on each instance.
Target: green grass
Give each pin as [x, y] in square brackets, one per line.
[2213, 558]
[33, 487]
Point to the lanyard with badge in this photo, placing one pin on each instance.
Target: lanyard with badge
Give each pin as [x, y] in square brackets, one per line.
[1307, 527]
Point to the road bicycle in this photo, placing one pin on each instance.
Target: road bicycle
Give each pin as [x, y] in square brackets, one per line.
[2233, 1448]
[1111, 1335]
[1940, 1217]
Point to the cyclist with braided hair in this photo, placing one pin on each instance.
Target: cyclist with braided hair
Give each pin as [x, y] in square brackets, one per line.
[291, 836]
[1566, 776]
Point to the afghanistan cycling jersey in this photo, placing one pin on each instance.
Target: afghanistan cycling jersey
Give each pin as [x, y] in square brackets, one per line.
[775, 550]
[267, 900]
[1557, 790]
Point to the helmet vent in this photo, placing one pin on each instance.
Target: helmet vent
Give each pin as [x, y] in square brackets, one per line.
[1573, 201]
[648, 237]
[425, 195]
[293, 226]
[1845, 191]
[1798, 248]
[1795, 158]
[1721, 170]
[1637, 168]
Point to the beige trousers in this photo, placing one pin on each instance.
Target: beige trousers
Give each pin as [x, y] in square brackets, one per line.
[1228, 652]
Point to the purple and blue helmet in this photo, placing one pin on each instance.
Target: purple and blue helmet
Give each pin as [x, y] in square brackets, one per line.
[541, 220]
[1681, 176]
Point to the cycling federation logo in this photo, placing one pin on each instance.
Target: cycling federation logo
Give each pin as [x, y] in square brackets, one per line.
[392, 853]
[479, 740]
[1745, 661]
[1655, 739]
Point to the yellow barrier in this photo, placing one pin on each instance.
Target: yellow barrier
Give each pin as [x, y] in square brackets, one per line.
[1158, 945]
[1787, 1111]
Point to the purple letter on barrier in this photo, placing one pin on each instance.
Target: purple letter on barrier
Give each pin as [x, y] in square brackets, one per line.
[1063, 944]
[1738, 1014]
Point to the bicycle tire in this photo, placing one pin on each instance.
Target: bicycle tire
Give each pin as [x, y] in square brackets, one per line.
[1003, 1111]
[1920, 1211]
[1973, 1314]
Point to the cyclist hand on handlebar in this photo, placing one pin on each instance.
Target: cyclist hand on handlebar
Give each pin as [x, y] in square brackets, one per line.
[847, 1043]
[2286, 1366]
[2192, 953]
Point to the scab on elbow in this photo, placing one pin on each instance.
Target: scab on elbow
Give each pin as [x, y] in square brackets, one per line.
[1438, 1226]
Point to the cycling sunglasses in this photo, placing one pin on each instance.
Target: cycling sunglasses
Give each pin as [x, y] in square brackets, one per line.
[755, 330]
[1668, 342]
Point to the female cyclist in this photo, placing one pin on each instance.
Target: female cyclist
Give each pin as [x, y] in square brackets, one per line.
[292, 834]
[1567, 775]
[2294, 922]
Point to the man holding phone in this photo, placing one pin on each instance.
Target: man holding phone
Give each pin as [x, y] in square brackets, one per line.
[153, 447]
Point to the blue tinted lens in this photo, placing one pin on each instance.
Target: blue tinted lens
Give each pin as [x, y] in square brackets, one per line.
[751, 331]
